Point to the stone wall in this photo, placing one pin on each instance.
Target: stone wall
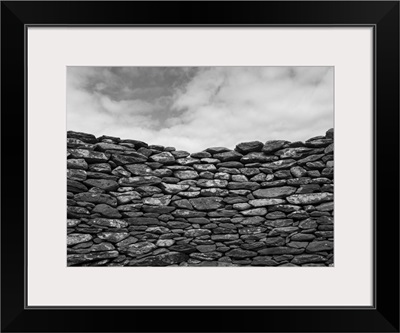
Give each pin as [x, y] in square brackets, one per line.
[261, 204]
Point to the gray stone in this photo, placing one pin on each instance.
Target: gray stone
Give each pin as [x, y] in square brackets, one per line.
[73, 239]
[140, 248]
[309, 198]
[248, 147]
[243, 186]
[186, 174]
[75, 186]
[318, 246]
[209, 256]
[217, 150]
[78, 163]
[164, 259]
[273, 145]
[254, 212]
[157, 201]
[206, 203]
[139, 169]
[206, 183]
[164, 158]
[280, 165]
[187, 161]
[96, 198]
[274, 192]
[257, 158]
[280, 250]
[139, 181]
[173, 188]
[74, 259]
[88, 155]
[105, 184]
[307, 258]
[228, 156]
[265, 202]
[131, 159]
[109, 223]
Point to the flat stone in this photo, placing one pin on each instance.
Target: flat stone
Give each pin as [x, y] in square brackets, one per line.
[274, 241]
[228, 156]
[186, 174]
[206, 203]
[187, 161]
[143, 221]
[105, 184]
[280, 250]
[263, 261]
[131, 159]
[292, 152]
[307, 258]
[75, 187]
[76, 174]
[157, 201]
[96, 198]
[275, 192]
[158, 209]
[209, 256]
[187, 213]
[139, 169]
[164, 259]
[240, 253]
[279, 223]
[302, 237]
[206, 248]
[113, 237]
[273, 145]
[329, 149]
[265, 202]
[77, 163]
[217, 150]
[225, 237]
[201, 154]
[173, 188]
[138, 144]
[251, 230]
[184, 248]
[74, 259]
[298, 171]
[103, 146]
[283, 231]
[73, 239]
[164, 158]
[309, 198]
[310, 158]
[139, 181]
[254, 212]
[257, 158]
[140, 248]
[110, 223]
[243, 186]
[198, 220]
[308, 224]
[248, 147]
[73, 222]
[280, 165]
[318, 246]
[197, 232]
[212, 183]
[325, 207]
[165, 242]
[180, 154]
[85, 137]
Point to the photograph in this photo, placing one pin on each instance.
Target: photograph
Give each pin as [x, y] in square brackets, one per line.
[219, 166]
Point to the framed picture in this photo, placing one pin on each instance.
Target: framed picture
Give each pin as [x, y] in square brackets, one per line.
[228, 161]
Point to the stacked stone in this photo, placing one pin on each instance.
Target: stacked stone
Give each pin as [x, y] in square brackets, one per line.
[261, 204]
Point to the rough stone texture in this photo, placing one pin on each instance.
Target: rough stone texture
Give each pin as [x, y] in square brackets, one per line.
[134, 204]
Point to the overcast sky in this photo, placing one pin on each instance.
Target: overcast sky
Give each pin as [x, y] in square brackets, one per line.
[193, 108]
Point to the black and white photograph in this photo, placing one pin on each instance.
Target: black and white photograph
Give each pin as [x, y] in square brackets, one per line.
[200, 166]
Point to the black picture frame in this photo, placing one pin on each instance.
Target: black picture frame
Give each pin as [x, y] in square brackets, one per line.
[383, 316]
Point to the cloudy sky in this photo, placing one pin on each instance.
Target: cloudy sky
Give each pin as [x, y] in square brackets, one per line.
[193, 108]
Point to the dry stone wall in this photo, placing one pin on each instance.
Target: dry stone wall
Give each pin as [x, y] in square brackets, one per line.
[262, 204]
